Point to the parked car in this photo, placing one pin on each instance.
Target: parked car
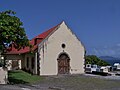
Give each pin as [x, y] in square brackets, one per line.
[92, 68]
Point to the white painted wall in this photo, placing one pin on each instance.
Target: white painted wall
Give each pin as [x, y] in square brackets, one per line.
[3, 76]
[52, 48]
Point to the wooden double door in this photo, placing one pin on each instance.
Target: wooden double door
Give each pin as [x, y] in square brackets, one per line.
[63, 64]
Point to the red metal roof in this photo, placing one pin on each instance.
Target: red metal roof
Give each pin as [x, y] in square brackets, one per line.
[35, 41]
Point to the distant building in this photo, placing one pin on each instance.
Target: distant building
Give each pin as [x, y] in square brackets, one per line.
[55, 51]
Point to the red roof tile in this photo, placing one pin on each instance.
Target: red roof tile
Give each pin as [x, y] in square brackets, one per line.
[35, 41]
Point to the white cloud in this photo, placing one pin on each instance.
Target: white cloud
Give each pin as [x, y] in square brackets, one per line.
[106, 51]
[118, 44]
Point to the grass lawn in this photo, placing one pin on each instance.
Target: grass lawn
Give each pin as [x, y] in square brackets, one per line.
[21, 77]
[64, 82]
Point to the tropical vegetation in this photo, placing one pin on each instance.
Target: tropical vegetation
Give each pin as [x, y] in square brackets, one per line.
[12, 32]
[93, 59]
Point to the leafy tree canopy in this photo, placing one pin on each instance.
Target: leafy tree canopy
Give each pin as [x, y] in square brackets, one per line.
[11, 31]
[92, 59]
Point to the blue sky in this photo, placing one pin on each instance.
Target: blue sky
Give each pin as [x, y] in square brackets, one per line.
[95, 22]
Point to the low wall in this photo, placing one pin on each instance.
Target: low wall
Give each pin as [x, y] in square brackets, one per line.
[3, 76]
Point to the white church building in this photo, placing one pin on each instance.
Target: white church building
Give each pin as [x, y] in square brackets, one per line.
[55, 51]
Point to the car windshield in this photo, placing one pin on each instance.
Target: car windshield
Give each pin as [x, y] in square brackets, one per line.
[94, 66]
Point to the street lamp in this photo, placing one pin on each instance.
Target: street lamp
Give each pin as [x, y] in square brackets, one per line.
[2, 58]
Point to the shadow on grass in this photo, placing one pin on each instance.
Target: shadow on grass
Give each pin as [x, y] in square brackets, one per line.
[15, 71]
[13, 80]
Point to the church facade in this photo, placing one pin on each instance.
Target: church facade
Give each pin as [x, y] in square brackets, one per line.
[55, 51]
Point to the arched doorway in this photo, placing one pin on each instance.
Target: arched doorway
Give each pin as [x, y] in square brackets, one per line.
[63, 64]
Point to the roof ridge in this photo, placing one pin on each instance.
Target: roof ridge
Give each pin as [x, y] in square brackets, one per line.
[32, 41]
[47, 31]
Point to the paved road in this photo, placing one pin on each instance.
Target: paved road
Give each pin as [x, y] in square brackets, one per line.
[27, 87]
[10, 87]
[78, 82]
[17, 87]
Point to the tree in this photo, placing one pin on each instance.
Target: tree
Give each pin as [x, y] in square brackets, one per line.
[92, 59]
[12, 32]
